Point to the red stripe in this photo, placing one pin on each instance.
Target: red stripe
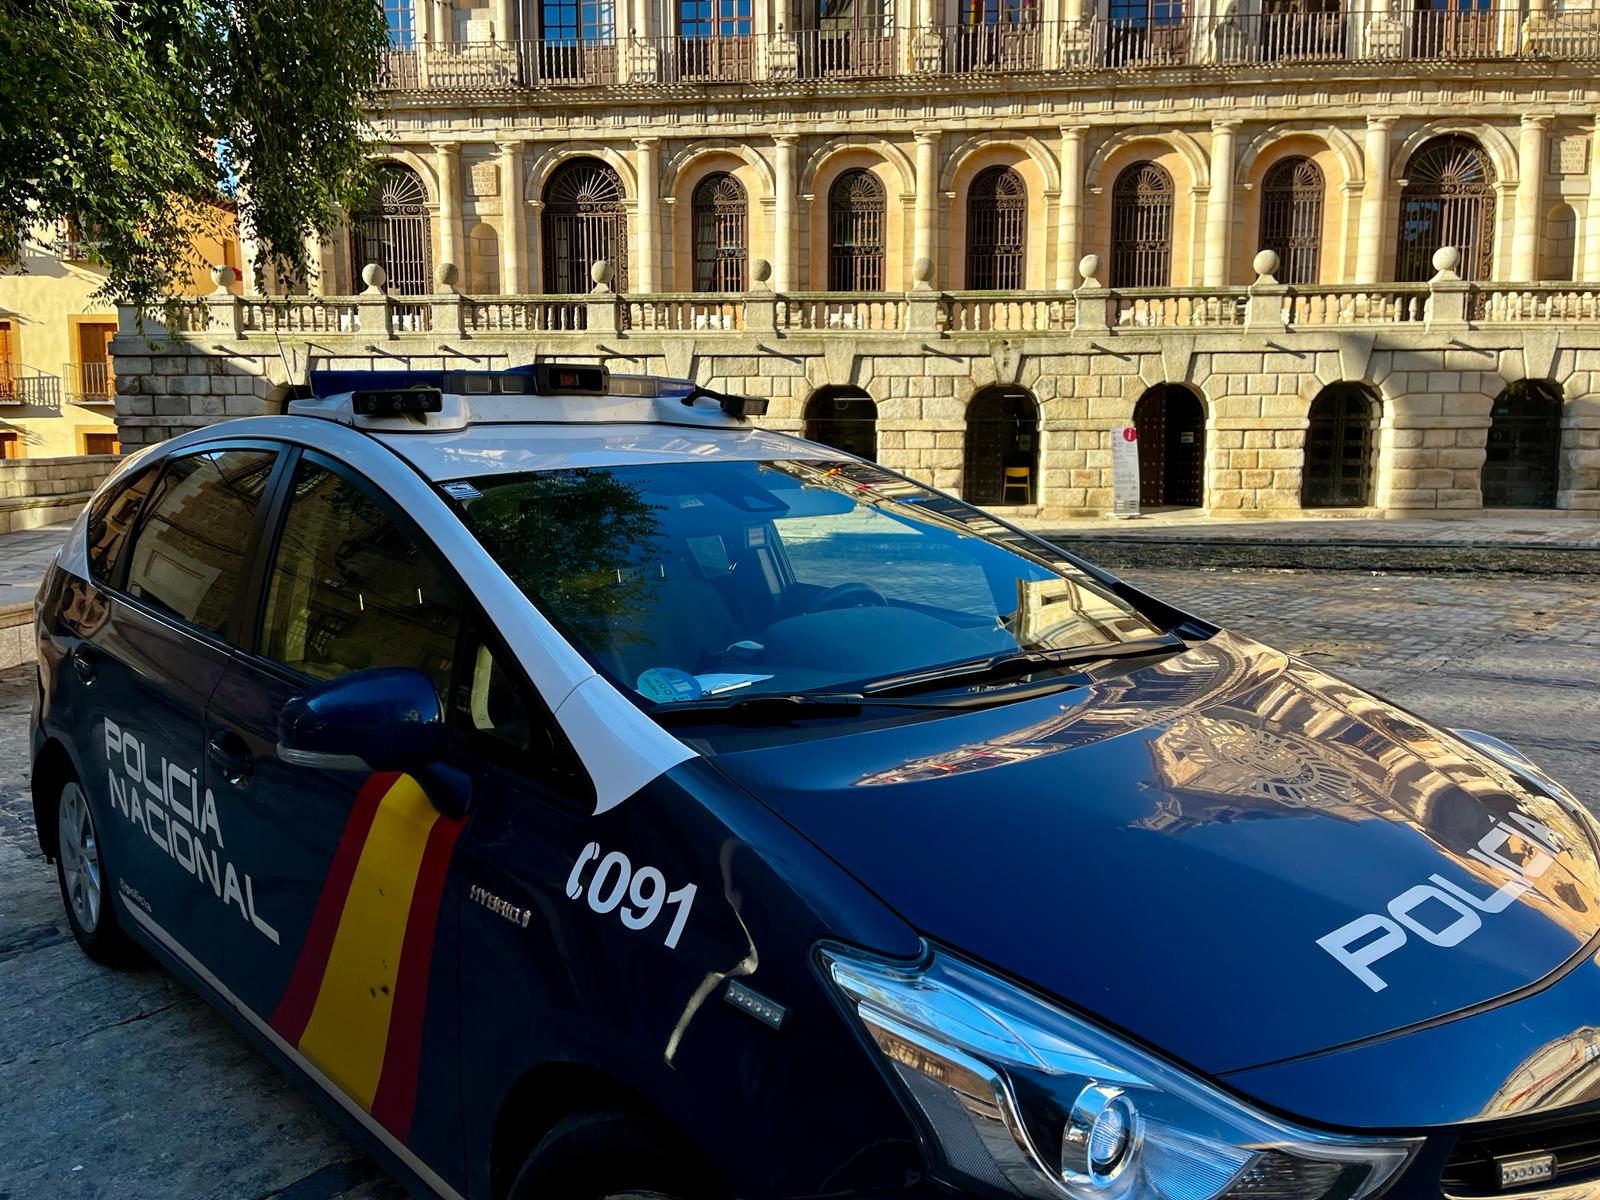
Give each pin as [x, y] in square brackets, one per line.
[396, 1097]
[300, 997]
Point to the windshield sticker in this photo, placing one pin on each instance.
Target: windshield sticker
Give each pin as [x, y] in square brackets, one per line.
[461, 490]
[645, 890]
[665, 685]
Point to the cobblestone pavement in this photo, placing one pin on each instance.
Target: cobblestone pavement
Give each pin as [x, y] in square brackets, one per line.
[124, 1084]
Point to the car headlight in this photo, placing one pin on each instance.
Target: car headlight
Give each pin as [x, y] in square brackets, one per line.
[1023, 1099]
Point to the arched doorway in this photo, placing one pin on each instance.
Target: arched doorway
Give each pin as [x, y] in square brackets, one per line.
[844, 418]
[585, 222]
[1001, 465]
[1172, 448]
[1291, 218]
[395, 231]
[1522, 463]
[1339, 448]
[997, 226]
[1141, 227]
[1448, 200]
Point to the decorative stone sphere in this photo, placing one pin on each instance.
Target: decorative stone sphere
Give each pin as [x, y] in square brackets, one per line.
[449, 274]
[1089, 266]
[922, 270]
[1265, 262]
[760, 270]
[600, 272]
[1446, 258]
[222, 276]
[374, 276]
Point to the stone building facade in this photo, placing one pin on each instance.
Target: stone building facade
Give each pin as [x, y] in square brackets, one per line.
[980, 239]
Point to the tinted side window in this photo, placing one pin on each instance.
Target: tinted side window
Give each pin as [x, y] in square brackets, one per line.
[111, 520]
[350, 590]
[188, 554]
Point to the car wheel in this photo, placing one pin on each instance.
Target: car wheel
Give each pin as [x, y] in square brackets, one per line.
[81, 874]
[604, 1156]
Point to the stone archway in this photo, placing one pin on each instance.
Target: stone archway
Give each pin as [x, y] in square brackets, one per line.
[1522, 461]
[1341, 448]
[1171, 422]
[1001, 463]
[845, 418]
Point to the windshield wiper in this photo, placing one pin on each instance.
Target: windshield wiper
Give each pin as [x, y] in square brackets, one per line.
[780, 706]
[1021, 662]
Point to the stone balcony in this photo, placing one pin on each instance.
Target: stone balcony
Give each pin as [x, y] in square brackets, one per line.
[1434, 357]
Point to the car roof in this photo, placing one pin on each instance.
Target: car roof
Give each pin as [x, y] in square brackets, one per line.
[514, 448]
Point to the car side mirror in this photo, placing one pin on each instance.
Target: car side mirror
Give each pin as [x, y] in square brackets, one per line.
[385, 719]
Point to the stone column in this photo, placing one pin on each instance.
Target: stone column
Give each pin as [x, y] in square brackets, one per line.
[925, 235]
[505, 26]
[1374, 200]
[1531, 150]
[447, 158]
[647, 162]
[514, 222]
[1069, 228]
[783, 233]
[1589, 270]
[1219, 205]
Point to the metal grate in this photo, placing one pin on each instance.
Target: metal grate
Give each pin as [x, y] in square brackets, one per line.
[584, 223]
[396, 232]
[997, 225]
[1291, 218]
[1141, 227]
[1522, 463]
[1338, 465]
[856, 209]
[1448, 200]
[721, 215]
[1575, 1142]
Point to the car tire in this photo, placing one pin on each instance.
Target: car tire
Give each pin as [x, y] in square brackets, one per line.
[84, 881]
[604, 1156]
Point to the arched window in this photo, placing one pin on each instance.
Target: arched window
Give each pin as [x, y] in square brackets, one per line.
[856, 210]
[395, 231]
[1339, 448]
[1448, 200]
[1141, 227]
[584, 223]
[1001, 464]
[1291, 218]
[721, 211]
[997, 225]
[1522, 461]
[844, 418]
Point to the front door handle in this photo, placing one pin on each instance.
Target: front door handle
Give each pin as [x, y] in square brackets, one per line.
[230, 757]
[83, 664]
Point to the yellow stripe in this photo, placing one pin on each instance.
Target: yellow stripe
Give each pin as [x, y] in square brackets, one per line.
[349, 1024]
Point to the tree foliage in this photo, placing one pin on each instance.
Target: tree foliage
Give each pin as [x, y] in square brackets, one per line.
[137, 119]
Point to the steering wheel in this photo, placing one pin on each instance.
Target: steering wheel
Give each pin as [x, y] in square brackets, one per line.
[847, 595]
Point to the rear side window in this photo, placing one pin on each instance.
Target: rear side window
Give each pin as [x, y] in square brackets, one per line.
[188, 554]
[111, 520]
[351, 590]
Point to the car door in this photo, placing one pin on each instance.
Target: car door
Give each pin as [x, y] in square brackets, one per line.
[148, 644]
[349, 866]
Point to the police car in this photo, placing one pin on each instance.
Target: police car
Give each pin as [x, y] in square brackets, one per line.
[590, 794]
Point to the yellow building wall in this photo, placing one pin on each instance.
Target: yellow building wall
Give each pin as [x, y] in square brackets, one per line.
[46, 301]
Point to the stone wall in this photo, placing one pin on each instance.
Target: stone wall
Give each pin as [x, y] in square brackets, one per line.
[41, 491]
[1432, 383]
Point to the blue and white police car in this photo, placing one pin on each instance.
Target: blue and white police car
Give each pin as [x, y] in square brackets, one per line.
[589, 794]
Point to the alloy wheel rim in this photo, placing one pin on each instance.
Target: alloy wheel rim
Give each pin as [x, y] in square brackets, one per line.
[80, 858]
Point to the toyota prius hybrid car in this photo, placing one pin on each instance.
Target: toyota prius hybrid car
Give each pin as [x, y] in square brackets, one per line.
[591, 795]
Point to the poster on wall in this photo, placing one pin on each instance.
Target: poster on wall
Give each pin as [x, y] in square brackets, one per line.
[1125, 472]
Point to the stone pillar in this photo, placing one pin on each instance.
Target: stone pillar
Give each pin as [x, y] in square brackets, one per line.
[447, 158]
[1590, 271]
[1531, 150]
[514, 221]
[505, 27]
[925, 235]
[1219, 205]
[1374, 200]
[1069, 229]
[647, 163]
[783, 233]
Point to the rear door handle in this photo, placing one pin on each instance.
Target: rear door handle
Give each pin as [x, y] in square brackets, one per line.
[230, 757]
[83, 663]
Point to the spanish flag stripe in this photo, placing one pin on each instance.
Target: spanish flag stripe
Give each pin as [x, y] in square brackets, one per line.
[294, 1007]
[402, 1058]
[349, 1026]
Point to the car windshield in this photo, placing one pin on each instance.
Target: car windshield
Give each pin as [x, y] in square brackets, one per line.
[691, 580]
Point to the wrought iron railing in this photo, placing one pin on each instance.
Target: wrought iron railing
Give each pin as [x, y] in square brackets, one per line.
[1091, 44]
[91, 383]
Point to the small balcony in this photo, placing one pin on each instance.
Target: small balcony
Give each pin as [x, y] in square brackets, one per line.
[23, 386]
[91, 384]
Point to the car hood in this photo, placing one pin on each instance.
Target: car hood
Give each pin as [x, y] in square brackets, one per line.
[1230, 854]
